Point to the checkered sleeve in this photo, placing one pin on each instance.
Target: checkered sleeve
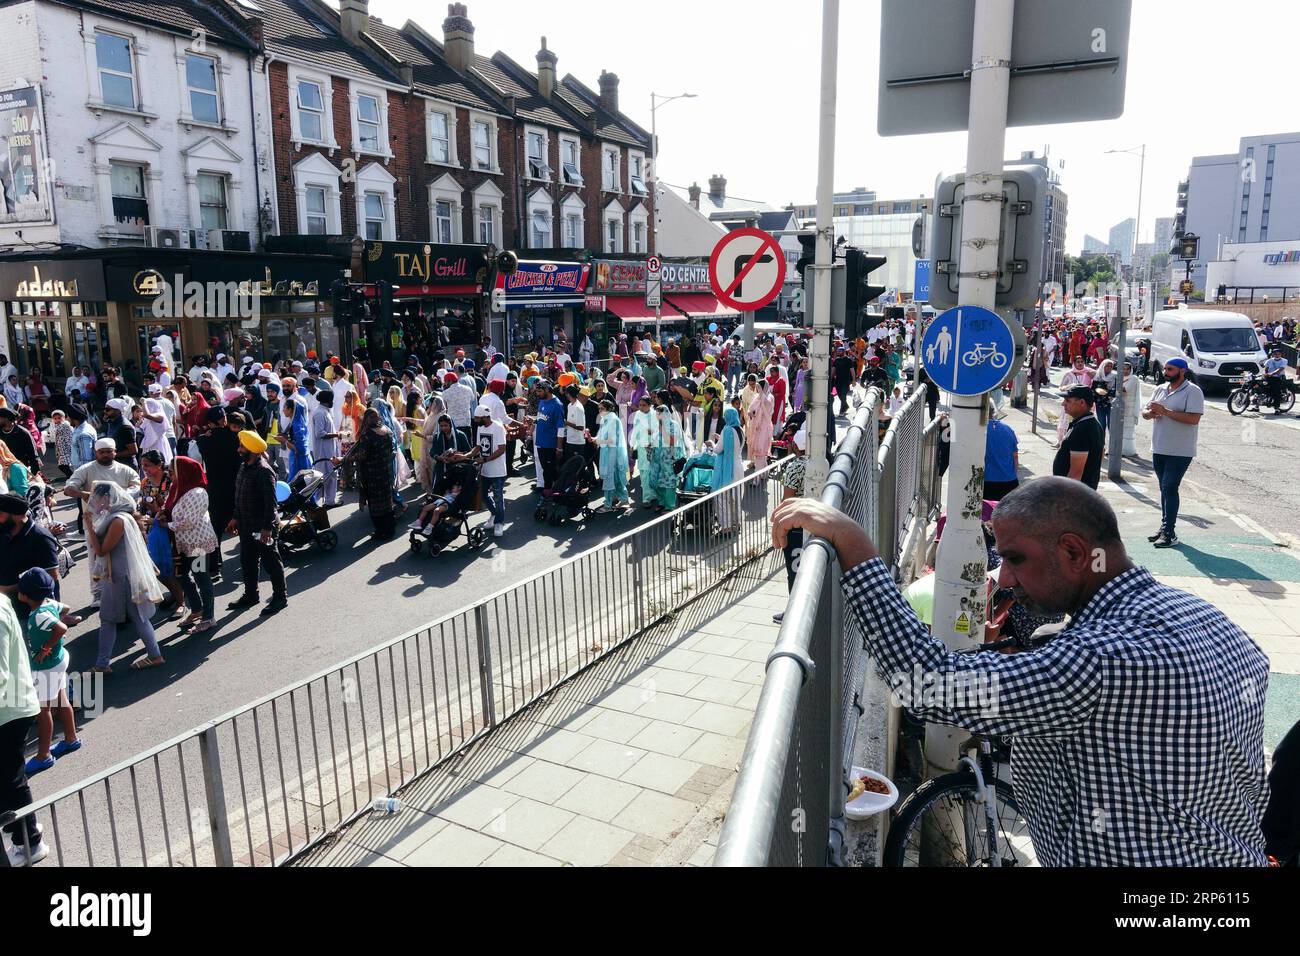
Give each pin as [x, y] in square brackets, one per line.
[1046, 693]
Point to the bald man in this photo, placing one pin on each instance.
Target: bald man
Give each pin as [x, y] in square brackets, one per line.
[1138, 730]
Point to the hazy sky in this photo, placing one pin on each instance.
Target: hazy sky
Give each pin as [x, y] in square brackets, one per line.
[755, 68]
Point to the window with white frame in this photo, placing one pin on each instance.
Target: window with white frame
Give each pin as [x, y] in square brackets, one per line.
[375, 195]
[609, 168]
[444, 209]
[488, 199]
[317, 219]
[213, 204]
[441, 123]
[375, 218]
[370, 117]
[540, 215]
[316, 185]
[636, 173]
[483, 138]
[311, 111]
[613, 235]
[571, 222]
[201, 81]
[130, 204]
[114, 58]
[571, 160]
[487, 227]
[536, 141]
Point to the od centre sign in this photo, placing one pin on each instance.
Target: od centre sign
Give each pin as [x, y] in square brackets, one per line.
[747, 269]
[968, 350]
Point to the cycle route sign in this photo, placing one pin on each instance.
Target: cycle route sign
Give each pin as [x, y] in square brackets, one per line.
[968, 350]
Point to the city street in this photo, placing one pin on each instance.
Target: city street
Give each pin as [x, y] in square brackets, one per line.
[340, 603]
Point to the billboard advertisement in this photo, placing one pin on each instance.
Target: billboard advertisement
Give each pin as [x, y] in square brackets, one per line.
[23, 170]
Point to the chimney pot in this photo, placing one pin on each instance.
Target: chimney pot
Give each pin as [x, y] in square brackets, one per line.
[609, 90]
[545, 71]
[694, 192]
[718, 187]
[458, 37]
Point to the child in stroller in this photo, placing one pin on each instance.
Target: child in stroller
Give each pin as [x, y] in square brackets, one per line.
[568, 498]
[782, 445]
[302, 521]
[448, 509]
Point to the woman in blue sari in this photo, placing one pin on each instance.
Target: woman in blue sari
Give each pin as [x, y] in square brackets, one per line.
[612, 441]
[293, 428]
[727, 470]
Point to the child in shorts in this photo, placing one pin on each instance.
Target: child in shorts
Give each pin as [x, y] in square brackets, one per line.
[46, 625]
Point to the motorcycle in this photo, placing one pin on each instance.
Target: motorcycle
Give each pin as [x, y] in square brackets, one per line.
[1251, 391]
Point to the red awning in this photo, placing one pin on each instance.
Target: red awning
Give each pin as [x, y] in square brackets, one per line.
[700, 305]
[631, 308]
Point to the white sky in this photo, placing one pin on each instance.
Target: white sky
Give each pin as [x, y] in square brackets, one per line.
[755, 67]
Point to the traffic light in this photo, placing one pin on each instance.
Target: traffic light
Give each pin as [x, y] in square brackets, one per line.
[341, 299]
[860, 291]
[808, 256]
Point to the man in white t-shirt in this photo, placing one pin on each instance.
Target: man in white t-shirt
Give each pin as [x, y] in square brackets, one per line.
[223, 369]
[499, 369]
[490, 436]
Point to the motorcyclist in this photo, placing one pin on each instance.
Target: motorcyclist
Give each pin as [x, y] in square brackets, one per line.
[1275, 379]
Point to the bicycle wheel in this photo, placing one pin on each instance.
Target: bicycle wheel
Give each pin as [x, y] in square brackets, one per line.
[945, 800]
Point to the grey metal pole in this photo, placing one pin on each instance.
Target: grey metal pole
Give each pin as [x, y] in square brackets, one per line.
[1114, 467]
[654, 166]
[824, 261]
[960, 588]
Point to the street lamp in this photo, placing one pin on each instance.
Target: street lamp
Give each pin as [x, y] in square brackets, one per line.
[656, 101]
[1117, 415]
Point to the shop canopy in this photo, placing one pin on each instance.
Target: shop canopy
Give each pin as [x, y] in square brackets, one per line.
[700, 305]
[633, 310]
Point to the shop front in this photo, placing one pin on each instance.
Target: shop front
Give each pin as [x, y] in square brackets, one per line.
[54, 316]
[437, 297]
[688, 295]
[112, 306]
[616, 303]
[543, 301]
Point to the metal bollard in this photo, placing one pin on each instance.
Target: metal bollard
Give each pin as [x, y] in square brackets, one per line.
[214, 788]
[485, 665]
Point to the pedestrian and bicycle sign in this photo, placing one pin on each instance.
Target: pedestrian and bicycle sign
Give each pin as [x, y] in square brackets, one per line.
[747, 269]
[968, 350]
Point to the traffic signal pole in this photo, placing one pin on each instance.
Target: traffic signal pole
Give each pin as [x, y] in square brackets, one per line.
[960, 592]
[819, 354]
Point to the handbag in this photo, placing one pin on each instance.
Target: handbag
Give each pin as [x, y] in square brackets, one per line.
[159, 544]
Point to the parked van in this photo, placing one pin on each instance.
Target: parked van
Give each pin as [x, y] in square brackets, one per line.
[1218, 346]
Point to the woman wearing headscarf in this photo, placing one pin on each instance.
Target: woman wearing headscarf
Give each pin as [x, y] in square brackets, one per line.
[644, 439]
[185, 514]
[376, 457]
[611, 439]
[800, 382]
[1132, 409]
[759, 434]
[779, 389]
[663, 454]
[401, 472]
[13, 472]
[729, 468]
[27, 419]
[293, 428]
[126, 577]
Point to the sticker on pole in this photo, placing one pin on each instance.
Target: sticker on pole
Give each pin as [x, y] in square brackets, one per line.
[747, 269]
[968, 350]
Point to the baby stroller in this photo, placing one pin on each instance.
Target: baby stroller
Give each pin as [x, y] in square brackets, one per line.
[695, 483]
[440, 535]
[568, 498]
[303, 522]
[783, 444]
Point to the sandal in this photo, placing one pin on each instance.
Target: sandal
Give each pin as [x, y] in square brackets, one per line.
[190, 621]
[144, 663]
[203, 626]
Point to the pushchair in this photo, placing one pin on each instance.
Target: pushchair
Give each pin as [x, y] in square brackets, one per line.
[693, 484]
[440, 535]
[568, 498]
[302, 522]
[784, 442]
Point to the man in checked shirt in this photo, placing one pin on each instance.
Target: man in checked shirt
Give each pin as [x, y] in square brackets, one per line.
[1137, 732]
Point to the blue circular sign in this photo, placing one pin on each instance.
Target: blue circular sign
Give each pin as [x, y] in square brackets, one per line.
[968, 350]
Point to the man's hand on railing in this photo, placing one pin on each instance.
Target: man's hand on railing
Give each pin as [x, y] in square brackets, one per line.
[846, 536]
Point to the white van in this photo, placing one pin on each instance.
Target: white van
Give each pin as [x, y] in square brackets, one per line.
[1218, 346]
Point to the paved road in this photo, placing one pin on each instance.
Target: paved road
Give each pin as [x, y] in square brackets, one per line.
[1244, 464]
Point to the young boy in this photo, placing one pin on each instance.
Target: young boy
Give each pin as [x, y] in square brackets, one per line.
[46, 625]
[59, 434]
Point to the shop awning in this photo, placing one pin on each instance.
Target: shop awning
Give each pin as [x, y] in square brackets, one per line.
[632, 308]
[699, 305]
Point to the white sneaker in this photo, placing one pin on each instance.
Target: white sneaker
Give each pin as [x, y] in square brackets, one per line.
[498, 530]
[415, 526]
[24, 856]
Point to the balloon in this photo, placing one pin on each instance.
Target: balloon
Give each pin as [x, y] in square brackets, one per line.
[713, 326]
[282, 491]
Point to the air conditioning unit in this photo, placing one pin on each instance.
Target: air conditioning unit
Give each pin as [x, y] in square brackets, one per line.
[163, 238]
[212, 239]
[233, 240]
[197, 238]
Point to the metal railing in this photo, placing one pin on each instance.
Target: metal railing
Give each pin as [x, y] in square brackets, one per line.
[788, 804]
[266, 783]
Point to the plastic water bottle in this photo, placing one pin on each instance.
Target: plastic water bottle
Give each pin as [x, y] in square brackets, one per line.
[386, 805]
